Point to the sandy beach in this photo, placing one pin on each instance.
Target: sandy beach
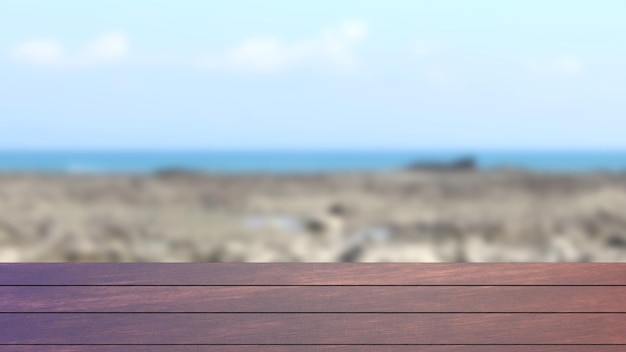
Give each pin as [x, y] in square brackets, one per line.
[396, 216]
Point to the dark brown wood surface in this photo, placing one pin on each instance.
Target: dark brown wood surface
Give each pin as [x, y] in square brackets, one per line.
[314, 328]
[272, 274]
[314, 299]
[276, 348]
[313, 307]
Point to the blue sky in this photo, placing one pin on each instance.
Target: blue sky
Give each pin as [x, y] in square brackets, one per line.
[316, 75]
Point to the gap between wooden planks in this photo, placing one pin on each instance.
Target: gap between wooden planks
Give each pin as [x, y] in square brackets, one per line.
[315, 307]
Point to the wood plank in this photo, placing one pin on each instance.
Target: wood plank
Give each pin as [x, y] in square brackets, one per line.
[314, 328]
[610, 299]
[313, 274]
[256, 348]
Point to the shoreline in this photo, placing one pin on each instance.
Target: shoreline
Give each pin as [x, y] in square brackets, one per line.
[302, 162]
[398, 216]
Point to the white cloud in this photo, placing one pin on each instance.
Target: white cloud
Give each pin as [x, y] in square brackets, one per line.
[39, 52]
[109, 48]
[332, 48]
[563, 66]
[106, 49]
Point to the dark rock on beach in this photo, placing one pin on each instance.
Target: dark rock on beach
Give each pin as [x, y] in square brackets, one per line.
[461, 164]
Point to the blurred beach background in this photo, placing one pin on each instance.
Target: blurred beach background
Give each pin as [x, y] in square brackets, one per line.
[276, 131]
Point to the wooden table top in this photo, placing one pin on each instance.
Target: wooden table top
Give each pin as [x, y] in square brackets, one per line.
[505, 307]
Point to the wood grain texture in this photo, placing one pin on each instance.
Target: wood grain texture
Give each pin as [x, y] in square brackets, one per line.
[313, 274]
[256, 348]
[289, 299]
[313, 307]
[315, 328]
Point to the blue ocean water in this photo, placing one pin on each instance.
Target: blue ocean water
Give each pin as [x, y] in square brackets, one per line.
[296, 161]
